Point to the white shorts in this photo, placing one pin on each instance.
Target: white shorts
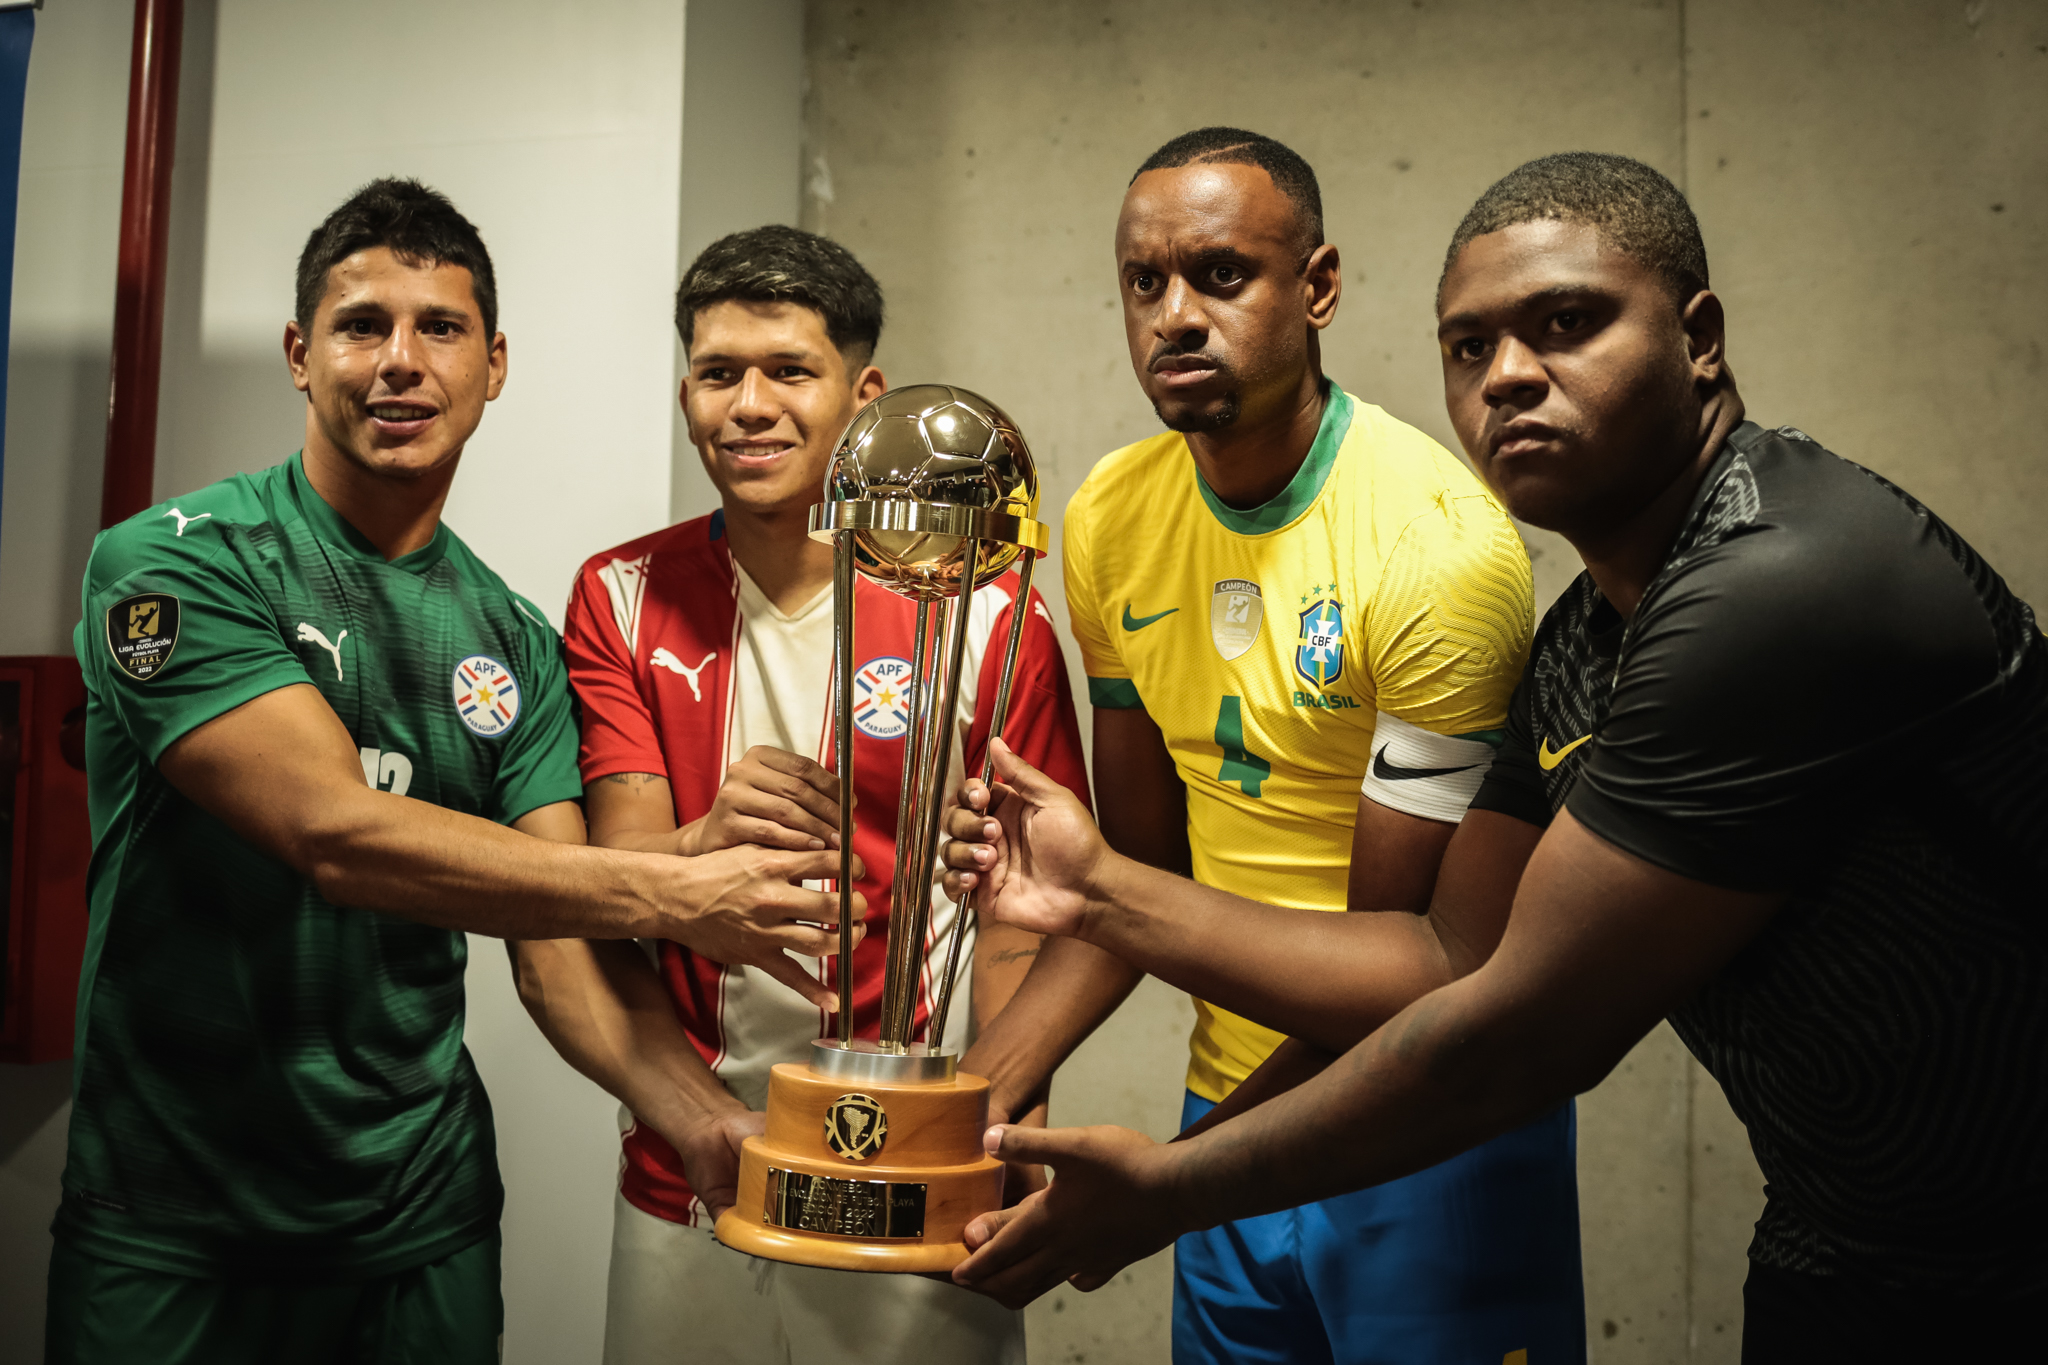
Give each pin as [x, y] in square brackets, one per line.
[677, 1295]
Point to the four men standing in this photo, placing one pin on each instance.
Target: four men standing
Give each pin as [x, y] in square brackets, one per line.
[324, 739]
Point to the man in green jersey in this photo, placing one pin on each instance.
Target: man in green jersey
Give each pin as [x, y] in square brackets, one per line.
[312, 716]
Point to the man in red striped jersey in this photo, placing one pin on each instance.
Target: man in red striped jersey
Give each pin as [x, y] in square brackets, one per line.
[702, 655]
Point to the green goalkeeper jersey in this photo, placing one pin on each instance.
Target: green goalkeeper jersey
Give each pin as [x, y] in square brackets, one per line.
[266, 1083]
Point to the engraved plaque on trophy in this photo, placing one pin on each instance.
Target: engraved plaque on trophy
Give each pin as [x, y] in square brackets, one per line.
[873, 1158]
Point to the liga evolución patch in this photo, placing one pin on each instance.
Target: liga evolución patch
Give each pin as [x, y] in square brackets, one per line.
[142, 631]
[486, 695]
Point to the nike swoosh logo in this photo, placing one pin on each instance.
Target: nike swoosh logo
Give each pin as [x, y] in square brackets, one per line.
[1387, 772]
[1140, 622]
[1550, 758]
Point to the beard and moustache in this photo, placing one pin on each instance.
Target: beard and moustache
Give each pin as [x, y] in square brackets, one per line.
[1190, 420]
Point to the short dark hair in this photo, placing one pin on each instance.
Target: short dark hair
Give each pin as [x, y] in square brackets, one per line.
[777, 264]
[1236, 147]
[1639, 212]
[417, 224]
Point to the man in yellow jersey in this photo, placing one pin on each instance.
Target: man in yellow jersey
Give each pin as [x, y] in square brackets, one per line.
[1302, 621]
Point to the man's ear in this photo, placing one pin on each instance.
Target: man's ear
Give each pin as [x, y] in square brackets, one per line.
[868, 385]
[1323, 277]
[295, 357]
[1706, 337]
[500, 362]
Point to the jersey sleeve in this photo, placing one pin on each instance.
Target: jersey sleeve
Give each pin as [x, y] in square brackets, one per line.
[1513, 784]
[1447, 632]
[1042, 727]
[538, 765]
[1763, 694]
[176, 633]
[1109, 677]
[619, 734]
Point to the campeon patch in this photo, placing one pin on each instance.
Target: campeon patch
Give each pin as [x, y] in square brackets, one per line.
[141, 633]
[486, 695]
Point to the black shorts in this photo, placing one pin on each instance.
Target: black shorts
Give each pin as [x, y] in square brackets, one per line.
[1794, 1319]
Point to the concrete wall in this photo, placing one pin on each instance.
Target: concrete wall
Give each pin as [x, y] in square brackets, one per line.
[743, 74]
[1870, 181]
[58, 369]
[558, 130]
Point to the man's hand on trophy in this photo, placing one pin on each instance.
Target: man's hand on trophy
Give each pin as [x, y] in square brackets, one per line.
[748, 906]
[1040, 854]
[773, 798]
[710, 1149]
[1021, 1179]
[1108, 1205]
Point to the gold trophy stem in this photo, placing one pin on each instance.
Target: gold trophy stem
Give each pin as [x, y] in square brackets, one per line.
[842, 751]
[922, 801]
[903, 884]
[1000, 717]
[936, 799]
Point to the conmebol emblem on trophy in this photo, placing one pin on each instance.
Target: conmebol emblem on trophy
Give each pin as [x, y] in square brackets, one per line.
[872, 1159]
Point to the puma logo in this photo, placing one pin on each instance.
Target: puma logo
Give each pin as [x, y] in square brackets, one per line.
[312, 636]
[663, 659]
[184, 521]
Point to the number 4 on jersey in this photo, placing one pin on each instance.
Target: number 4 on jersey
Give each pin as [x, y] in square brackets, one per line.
[1239, 763]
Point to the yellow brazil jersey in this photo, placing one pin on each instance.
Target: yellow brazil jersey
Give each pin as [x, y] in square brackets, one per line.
[1383, 588]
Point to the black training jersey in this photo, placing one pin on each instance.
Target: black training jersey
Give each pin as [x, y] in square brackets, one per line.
[268, 1083]
[1826, 692]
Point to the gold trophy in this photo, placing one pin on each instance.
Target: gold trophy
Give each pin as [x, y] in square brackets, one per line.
[873, 1158]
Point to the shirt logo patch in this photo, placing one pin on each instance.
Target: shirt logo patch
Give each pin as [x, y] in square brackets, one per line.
[1236, 610]
[141, 633]
[1549, 758]
[1319, 655]
[661, 658]
[486, 695]
[313, 635]
[881, 697]
[1132, 623]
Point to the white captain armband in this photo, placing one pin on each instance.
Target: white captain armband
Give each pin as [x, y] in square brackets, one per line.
[1418, 773]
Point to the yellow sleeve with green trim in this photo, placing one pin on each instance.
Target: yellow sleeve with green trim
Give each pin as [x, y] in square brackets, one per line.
[1449, 623]
[1109, 677]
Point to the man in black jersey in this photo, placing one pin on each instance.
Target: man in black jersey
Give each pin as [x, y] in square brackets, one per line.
[1777, 769]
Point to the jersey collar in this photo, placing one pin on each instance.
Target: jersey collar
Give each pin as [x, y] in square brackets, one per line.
[334, 530]
[1301, 491]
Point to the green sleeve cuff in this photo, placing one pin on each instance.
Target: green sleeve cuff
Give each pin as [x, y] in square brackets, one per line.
[1494, 737]
[1118, 694]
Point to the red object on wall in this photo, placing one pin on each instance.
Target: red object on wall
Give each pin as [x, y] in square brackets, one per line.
[45, 844]
[130, 479]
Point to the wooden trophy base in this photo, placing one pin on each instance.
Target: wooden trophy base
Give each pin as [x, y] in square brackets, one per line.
[871, 1161]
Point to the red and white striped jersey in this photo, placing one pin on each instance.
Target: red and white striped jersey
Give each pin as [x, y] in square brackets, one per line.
[652, 635]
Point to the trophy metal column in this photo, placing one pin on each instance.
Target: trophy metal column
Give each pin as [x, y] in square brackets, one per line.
[873, 1159]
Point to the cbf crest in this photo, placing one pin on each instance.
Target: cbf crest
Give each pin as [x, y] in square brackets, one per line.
[1236, 610]
[1319, 653]
[855, 1126]
[881, 697]
[486, 695]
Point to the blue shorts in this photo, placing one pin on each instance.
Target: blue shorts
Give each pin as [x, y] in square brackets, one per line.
[1467, 1263]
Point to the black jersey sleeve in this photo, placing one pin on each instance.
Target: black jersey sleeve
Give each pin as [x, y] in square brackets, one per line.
[1514, 784]
[1783, 671]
